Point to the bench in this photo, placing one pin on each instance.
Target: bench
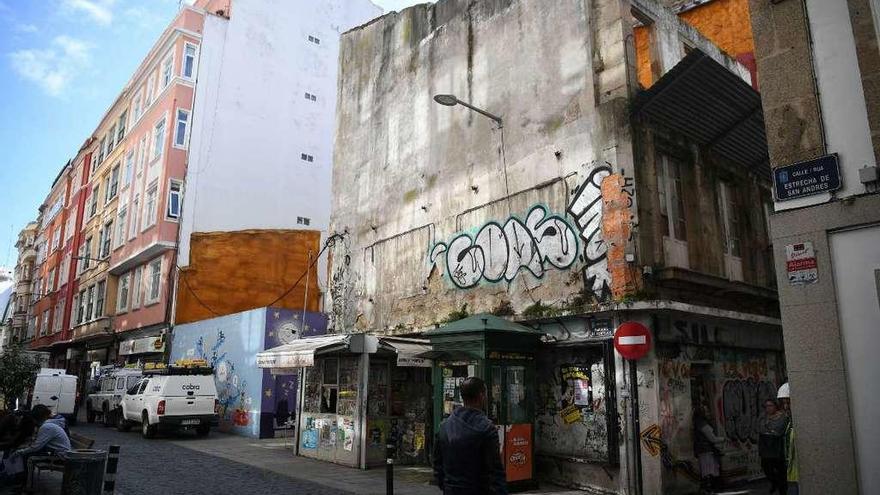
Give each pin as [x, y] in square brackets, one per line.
[53, 462]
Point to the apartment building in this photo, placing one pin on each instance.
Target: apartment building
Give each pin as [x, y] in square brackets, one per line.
[143, 242]
[21, 327]
[48, 303]
[90, 315]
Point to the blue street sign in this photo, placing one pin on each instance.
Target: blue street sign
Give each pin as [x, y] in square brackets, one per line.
[807, 178]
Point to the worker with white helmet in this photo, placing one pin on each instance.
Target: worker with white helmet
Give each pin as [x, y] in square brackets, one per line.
[784, 397]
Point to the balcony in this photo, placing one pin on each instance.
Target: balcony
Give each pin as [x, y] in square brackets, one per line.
[91, 329]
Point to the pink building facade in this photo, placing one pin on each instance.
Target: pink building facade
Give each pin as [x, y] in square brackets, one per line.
[143, 260]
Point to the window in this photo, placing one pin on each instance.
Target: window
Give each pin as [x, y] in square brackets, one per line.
[90, 303]
[111, 137]
[106, 189]
[93, 207]
[671, 200]
[150, 83]
[102, 147]
[167, 70]
[59, 312]
[129, 169]
[105, 239]
[315, 40]
[142, 154]
[114, 183]
[56, 238]
[99, 298]
[120, 128]
[120, 227]
[138, 101]
[303, 221]
[307, 158]
[158, 139]
[77, 307]
[150, 205]
[174, 193]
[63, 271]
[50, 281]
[87, 252]
[122, 294]
[189, 60]
[311, 97]
[71, 222]
[154, 281]
[730, 217]
[44, 323]
[136, 288]
[180, 137]
[132, 229]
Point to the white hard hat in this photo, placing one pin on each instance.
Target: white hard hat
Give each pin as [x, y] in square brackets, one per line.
[784, 392]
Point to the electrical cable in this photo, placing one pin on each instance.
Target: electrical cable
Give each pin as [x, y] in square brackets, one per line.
[330, 240]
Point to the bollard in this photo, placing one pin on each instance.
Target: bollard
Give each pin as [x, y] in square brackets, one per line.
[110, 472]
[83, 472]
[389, 469]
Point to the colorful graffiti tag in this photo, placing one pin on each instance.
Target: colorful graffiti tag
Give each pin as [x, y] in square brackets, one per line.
[498, 252]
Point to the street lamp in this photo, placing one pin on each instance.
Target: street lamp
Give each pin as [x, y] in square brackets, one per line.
[452, 100]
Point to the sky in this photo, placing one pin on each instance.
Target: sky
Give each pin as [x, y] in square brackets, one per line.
[62, 63]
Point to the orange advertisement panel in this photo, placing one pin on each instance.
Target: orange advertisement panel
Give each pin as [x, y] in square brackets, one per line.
[518, 452]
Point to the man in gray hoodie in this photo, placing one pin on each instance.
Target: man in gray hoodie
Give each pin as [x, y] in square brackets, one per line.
[467, 459]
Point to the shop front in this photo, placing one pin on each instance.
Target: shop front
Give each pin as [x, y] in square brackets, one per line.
[360, 393]
[143, 350]
[503, 354]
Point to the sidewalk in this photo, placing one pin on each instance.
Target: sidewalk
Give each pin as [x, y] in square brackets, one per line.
[276, 455]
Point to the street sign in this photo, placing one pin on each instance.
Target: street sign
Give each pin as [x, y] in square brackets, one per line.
[800, 264]
[632, 340]
[807, 178]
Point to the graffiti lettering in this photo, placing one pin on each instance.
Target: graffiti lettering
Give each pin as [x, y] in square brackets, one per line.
[742, 402]
[586, 209]
[498, 252]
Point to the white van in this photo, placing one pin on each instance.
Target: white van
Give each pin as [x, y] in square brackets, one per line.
[56, 389]
[172, 398]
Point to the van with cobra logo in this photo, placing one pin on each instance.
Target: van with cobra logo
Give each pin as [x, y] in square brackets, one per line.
[172, 398]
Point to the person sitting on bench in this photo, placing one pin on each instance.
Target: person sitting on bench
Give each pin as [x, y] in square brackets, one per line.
[51, 437]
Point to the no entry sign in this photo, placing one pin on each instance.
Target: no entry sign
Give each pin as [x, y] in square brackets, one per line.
[632, 340]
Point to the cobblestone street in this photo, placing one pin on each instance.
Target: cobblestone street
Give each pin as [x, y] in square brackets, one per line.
[161, 465]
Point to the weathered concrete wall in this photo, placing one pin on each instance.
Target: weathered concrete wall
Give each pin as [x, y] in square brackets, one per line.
[432, 201]
[231, 272]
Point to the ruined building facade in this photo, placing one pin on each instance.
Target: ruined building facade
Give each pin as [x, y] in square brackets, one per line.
[600, 200]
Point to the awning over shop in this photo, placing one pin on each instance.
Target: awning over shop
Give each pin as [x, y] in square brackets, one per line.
[704, 101]
[301, 353]
[408, 351]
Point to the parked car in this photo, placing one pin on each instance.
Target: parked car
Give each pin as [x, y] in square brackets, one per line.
[56, 389]
[176, 398]
[103, 402]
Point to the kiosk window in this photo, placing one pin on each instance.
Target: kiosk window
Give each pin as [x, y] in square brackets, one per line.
[517, 409]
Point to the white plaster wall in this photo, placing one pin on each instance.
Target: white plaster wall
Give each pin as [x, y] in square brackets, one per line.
[856, 262]
[251, 120]
[841, 96]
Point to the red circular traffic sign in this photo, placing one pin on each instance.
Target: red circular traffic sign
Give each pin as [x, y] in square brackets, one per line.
[632, 340]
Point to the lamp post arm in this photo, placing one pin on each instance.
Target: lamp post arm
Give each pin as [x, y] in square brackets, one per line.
[482, 112]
